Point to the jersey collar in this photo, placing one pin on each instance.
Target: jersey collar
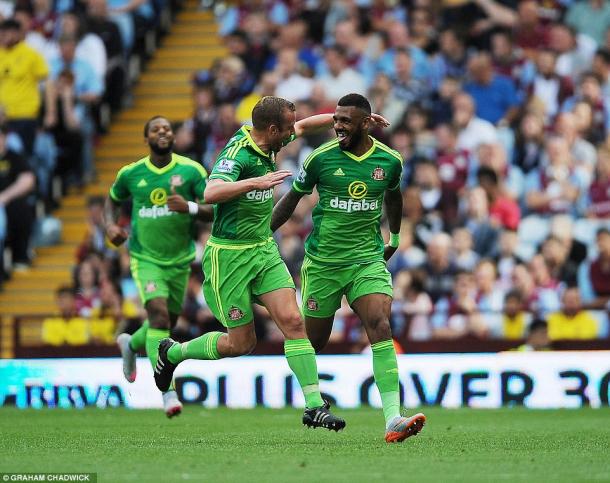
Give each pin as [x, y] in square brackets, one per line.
[365, 155]
[162, 170]
[246, 130]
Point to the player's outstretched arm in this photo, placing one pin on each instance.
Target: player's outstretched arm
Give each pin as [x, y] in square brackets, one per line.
[116, 234]
[219, 191]
[320, 122]
[285, 208]
[177, 203]
[393, 208]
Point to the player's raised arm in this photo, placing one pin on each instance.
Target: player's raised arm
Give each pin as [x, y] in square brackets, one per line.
[116, 234]
[393, 208]
[220, 191]
[320, 122]
[285, 208]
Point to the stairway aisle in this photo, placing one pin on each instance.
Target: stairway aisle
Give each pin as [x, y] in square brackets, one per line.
[164, 88]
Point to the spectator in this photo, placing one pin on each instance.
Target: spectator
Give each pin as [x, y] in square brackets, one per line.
[507, 60]
[494, 157]
[489, 297]
[16, 214]
[574, 52]
[594, 275]
[98, 22]
[514, 319]
[555, 255]
[543, 83]
[451, 60]
[407, 88]
[411, 307]
[538, 300]
[21, 70]
[340, 79]
[398, 37]
[506, 258]
[456, 315]
[572, 322]
[441, 101]
[529, 143]
[78, 81]
[464, 257]
[473, 131]
[562, 228]
[66, 303]
[95, 236]
[590, 91]
[529, 31]
[601, 68]
[423, 139]
[384, 102]
[582, 151]
[537, 337]
[292, 84]
[503, 210]
[453, 163]
[87, 283]
[556, 188]
[495, 96]
[433, 199]
[407, 256]
[477, 221]
[439, 270]
[192, 136]
[598, 205]
[590, 17]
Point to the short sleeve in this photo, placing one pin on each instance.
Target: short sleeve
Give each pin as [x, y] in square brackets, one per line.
[201, 180]
[119, 191]
[308, 175]
[227, 169]
[396, 178]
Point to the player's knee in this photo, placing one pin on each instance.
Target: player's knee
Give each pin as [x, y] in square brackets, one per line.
[380, 327]
[293, 326]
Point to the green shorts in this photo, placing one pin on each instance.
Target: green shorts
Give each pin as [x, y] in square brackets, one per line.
[323, 285]
[235, 275]
[159, 281]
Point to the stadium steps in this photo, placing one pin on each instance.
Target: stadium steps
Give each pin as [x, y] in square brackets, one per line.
[163, 88]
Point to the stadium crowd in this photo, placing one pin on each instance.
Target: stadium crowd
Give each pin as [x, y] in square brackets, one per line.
[65, 67]
[501, 111]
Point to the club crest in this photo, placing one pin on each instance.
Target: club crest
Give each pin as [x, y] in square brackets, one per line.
[235, 313]
[378, 174]
[176, 180]
[150, 286]
[312, 304]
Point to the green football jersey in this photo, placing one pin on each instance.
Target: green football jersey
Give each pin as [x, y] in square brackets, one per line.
[159, 235]
[346, 220]
[247, 218]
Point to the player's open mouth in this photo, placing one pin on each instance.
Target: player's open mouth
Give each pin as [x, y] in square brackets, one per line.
[342, 137]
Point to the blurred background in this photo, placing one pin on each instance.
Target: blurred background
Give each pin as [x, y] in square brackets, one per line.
[500, 109]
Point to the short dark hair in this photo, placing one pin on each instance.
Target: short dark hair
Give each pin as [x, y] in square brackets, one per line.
[268, 111]
[65, 290]
[10, 24]
[602, 231]
[514, 294]
[148, 123]
[537, 324]
[355, 100]
[487, 173]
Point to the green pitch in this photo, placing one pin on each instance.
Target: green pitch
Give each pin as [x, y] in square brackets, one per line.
[271, 445]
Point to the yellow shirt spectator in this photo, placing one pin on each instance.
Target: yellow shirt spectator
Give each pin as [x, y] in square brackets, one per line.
[580, 326]
[514, 327]
[21, 69]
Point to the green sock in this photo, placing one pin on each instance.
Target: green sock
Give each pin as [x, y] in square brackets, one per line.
[385, 369]
[203, 348]
[138, 338]
[302, 360]
[153, 336]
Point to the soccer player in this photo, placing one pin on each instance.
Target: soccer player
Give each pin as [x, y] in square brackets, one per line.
[161, 244]
[242, 263]
[345, 254]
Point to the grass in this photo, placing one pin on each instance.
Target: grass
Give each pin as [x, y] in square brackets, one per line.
[270, 445]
